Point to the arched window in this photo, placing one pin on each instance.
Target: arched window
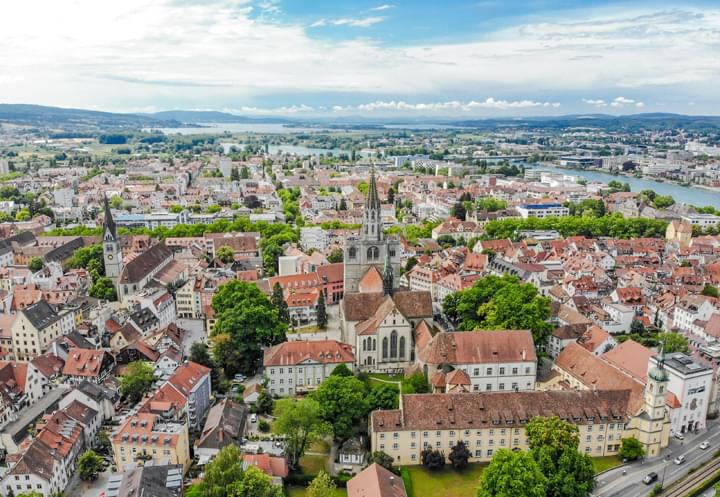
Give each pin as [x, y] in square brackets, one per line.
[385, 348]
[364, 344]
[374, 343]
[373, 253]
[352, 252]
[402, 347]
[393, 343]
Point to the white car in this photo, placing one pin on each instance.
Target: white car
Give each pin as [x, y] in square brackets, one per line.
[704, 445]
[253, 418]
[679, 460]
[679, 436]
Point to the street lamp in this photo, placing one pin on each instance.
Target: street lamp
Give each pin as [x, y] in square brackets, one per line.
[662, 481]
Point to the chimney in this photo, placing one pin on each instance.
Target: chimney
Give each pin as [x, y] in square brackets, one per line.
[523, 354]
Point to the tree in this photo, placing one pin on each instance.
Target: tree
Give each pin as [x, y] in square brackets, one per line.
[301, 423]
[343, 205]
[631, 449]
[459, 455]
[278, 301]
[23, 215]
[116, 202]
[321, 486]
[552, 432]
[136, 381]
[264, 403]
[459, 211]
[341, 370]
[383, 459]
[335, 256]
[553, 444]
[89, 464]
[710, 291]
[225, 254]
[36, 264]
[103, 288]
[252, 202]
[241, 331]
[104, 443]
[200, 354]
[244, 173]
[411, 263]
[415, 383]
[432, 459]
[343, 403]
[383, 396]
[512, 474]
[637, 326]
[673, 341]
[495, 302]
[222, 473]
[255, 483]
[322, 318]
[234, 174]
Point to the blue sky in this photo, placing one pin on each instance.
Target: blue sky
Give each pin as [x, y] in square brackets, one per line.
[304, 58]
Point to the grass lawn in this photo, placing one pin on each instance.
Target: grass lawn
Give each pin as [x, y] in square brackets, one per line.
[320, 446]
[605, 463]
[311, 465]
[385, 377]
[445, 483]
[302, 492]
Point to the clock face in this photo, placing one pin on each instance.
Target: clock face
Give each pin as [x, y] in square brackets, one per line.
[110, 257]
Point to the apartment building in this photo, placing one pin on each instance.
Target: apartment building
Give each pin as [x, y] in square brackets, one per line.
[144, 437]
[293, 367]
[36, 326]
[542, 210]
[487, 422]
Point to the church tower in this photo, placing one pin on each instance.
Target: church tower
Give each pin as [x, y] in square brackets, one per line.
[653, 425]
[372, 248]
[112, 255]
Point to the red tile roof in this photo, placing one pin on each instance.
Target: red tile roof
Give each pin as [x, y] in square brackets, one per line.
[322, 351]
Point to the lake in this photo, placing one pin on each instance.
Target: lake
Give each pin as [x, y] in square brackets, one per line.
[684, 194]
[219, 128]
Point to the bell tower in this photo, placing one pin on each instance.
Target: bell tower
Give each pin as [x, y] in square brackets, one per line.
[112, 255]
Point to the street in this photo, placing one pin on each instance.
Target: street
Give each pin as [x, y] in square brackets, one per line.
[615, 484]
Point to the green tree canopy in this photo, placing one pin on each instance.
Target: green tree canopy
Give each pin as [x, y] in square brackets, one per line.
[495, 302]
[552, 432]
[136, 381]
[631, 449]
[103, 288]
[241, 331]
[301, 423]
[343, 403]
[673, 341]
[383, 396]
[36, 264]
[225, 254]
[321, 486]
[335, 256]
[224, 477]
[322, 317]
[415, 383]
[89, 464]
[512, 474]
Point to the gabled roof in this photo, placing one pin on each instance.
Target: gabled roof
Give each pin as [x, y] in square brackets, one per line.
[138, 268]
[376, 481]
[411, 304]
[479, 347]
[41, 314]
[321, 351]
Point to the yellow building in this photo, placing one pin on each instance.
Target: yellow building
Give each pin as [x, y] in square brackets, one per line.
[145, 437]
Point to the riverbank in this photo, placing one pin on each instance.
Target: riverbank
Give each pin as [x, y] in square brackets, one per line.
[696, 195]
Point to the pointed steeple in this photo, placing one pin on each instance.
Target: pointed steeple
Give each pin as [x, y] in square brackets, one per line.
[373, 199]
[388, 282]
[109, 223]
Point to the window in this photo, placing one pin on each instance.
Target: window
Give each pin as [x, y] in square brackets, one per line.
[352, 252]
[402, 347]
[373, 253]
[425, 434]
[385, 348]
[396, 435]
[514, 371]
[395, 446]
[502, 371]
[438, 444]
[488, 387]
[452, 433]
[393, 344]
[489, 371]
[514, 386]
[501, 386]
[412, 434]
[413, 457]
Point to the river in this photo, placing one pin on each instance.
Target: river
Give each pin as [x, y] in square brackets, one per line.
[684, 194]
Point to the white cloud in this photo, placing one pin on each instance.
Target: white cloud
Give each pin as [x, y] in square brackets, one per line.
[384, 6]
[361, 22]
[596, 103]
[625, 102]
[189, 53]
[453, 105]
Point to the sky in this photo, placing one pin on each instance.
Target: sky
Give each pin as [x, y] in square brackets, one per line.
[305, 58]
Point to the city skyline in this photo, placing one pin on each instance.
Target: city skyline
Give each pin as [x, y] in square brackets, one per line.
[373, 59]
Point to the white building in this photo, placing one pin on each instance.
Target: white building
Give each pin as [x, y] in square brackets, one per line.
[702, 220]
[690, 385]
[293, 367]
[314, 238]
[619, 318]
[542, 210]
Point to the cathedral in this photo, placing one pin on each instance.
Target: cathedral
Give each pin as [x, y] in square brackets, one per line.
[376, 317]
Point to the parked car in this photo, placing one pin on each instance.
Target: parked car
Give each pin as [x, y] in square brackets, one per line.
[253, 418]
[704, 445]
[679, 436]
[650, 478]
[679, 460]
[240, 377]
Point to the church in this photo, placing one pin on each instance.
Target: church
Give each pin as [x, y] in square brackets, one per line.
[376, 317]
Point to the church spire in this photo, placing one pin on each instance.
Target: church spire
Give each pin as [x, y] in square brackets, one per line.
[109, 222]
[373, 199]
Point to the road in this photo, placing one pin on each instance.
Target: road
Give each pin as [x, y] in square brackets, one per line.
[615, 484]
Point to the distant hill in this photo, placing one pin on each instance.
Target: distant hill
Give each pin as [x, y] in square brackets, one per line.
[42, 116]
[655, 121]
[195, 116]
